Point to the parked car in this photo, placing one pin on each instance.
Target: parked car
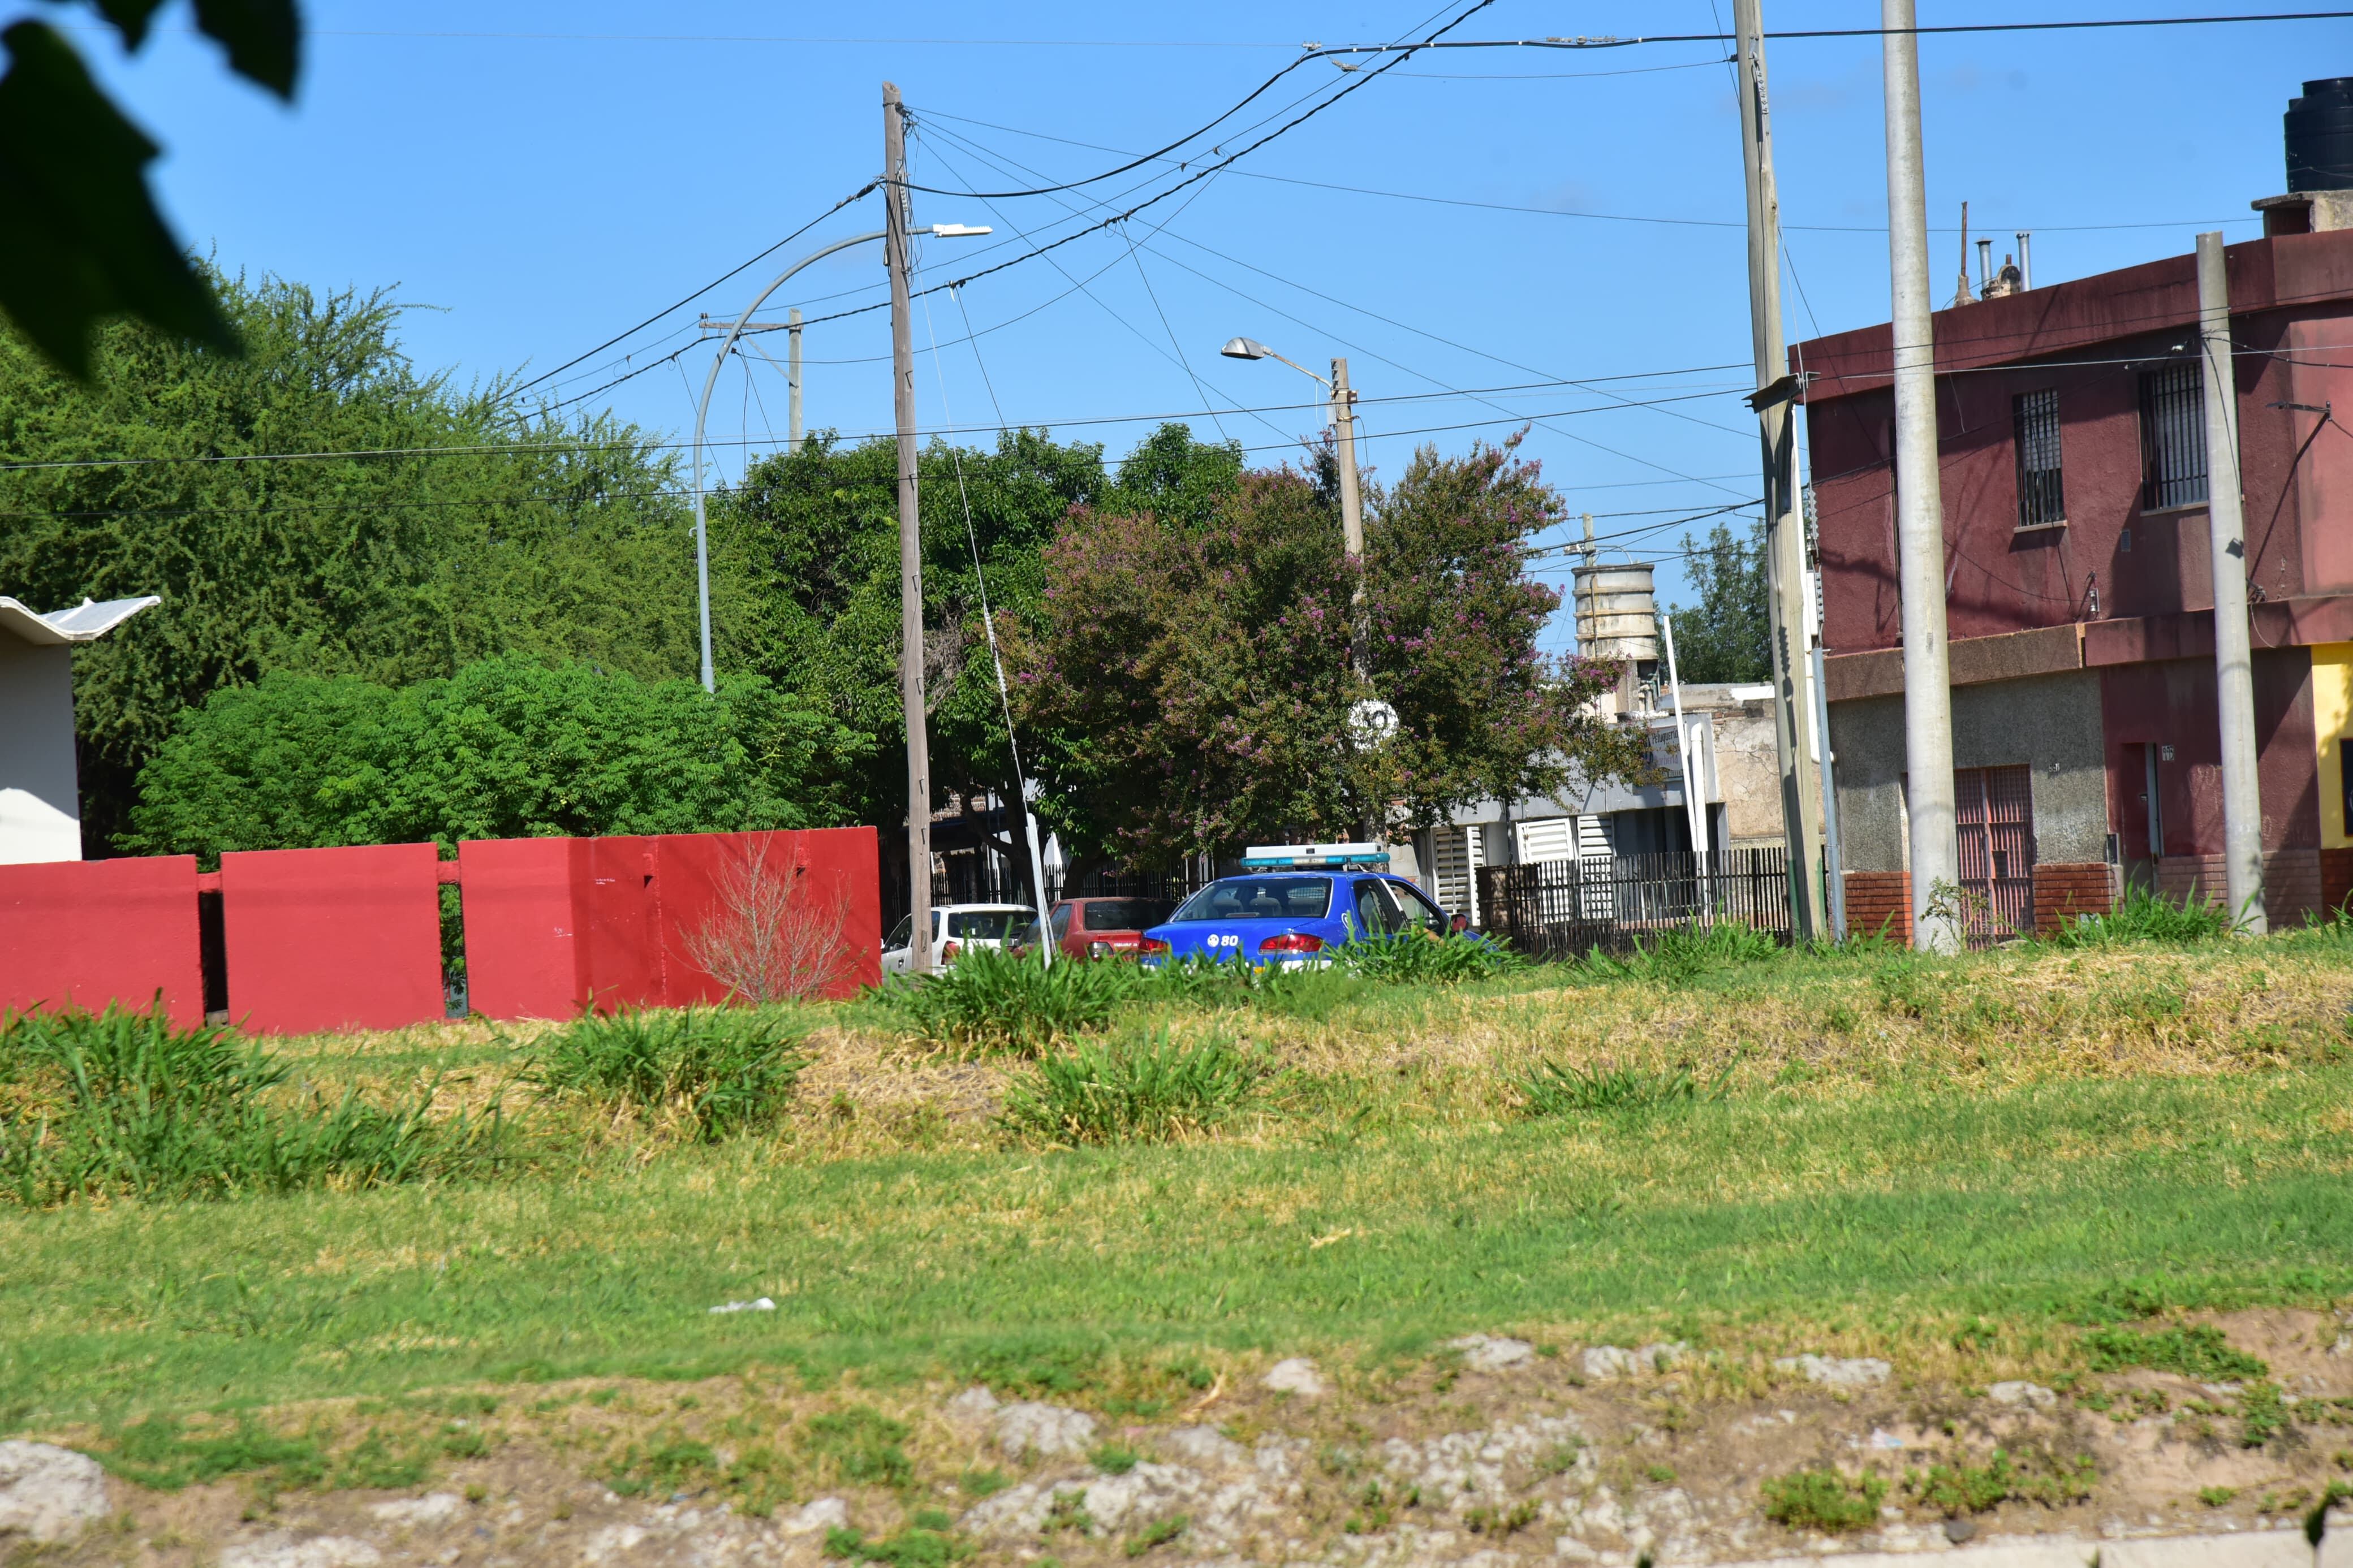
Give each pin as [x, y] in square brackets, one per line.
[1098, 927]
[1307, 900]
[957, 928]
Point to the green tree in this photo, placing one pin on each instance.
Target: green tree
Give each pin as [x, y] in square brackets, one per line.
[1726, 637]
[475, 529]
[1197, 676]
[809, 547]
[506, 749]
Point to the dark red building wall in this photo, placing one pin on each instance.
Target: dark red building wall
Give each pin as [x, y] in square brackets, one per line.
[2172, 703]
[2092, 338]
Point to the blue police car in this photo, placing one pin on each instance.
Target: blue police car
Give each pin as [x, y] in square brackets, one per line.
[1292, 904]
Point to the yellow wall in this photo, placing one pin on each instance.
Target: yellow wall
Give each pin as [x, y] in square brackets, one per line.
[2332, 725]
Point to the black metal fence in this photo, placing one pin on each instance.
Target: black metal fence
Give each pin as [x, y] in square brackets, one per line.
[1565, 909]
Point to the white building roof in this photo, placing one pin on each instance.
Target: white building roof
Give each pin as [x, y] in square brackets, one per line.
[86, 622]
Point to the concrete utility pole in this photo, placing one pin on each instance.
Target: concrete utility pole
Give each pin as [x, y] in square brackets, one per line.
[2234, 678]
[792, 380]
[1919, 504]
[1351, 515]
[911, 534]
[1785, 531]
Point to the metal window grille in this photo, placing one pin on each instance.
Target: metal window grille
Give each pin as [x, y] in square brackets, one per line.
[2042, 499]
[2173, 436]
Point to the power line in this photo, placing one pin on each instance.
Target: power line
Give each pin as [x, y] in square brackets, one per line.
[986, 155]
[1256, 92]
[1438, 41]
[623, 443]
[706, 288]
[1574, 213]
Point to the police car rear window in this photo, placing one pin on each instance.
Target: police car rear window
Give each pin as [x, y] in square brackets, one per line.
[1259, 898]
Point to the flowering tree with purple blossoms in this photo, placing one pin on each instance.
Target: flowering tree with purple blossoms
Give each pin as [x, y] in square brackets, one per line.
[1195, 676]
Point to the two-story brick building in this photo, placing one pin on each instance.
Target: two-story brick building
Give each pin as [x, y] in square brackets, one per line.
[2071, 436]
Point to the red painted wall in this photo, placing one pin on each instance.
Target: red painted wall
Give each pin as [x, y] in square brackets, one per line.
[2089, 339]
[2172, 703]
[328, 938]
[87, 932]
[553, 924]
[521, 935]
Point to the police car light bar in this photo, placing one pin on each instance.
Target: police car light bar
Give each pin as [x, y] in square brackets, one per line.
[1315, 857]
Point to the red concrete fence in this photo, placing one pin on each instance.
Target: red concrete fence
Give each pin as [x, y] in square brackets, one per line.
[326, 938]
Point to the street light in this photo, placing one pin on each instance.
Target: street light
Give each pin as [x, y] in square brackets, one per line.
[702, 413]
[1371, 721]
[1351, 512]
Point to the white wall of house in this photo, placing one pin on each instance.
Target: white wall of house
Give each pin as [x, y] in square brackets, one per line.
[40, 788]
[40, 808]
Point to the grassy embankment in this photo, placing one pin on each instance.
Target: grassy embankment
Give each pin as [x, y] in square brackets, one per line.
[1802, 1151]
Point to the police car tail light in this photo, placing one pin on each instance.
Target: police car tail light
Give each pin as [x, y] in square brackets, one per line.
[1291, 942]
[1148, 945]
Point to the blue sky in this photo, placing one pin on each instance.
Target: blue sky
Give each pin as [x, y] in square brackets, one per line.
[536, 178]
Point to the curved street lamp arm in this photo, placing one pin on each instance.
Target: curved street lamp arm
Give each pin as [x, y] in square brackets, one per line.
[702, 412]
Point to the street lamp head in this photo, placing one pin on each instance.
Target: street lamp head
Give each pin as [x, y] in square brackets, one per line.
[1245, 348]
[957, 230]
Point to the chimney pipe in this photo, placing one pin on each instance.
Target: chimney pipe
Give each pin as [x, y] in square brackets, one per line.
[1985, 266]
[2025, 258]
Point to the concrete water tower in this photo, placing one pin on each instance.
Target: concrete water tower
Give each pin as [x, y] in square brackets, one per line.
[40, 786]
[1616, 613]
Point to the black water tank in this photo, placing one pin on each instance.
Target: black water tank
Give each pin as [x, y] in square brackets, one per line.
[2320, 136]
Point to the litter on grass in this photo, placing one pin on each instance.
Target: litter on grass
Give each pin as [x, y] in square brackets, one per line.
[758, 1304]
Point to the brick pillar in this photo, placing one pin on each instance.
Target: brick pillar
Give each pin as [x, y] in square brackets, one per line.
[2336, 879]
[2063, 890]
[1877, 900]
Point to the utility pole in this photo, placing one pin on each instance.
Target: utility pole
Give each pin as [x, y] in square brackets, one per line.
[792, 380]
[911, 534]
[1785, 537]
[2235, 682]
[1919, 502]
[1352, 540]
[1351, 516]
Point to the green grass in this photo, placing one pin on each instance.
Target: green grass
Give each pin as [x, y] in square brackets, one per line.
[2146, 917]
[1824, 1500]
[1879, 1208]
[2197, 1350]
[714, 1072]
[1548, 1088]
[1121, 1090]
[122, 1104]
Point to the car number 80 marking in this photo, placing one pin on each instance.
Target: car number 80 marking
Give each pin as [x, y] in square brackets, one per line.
[1225, 939]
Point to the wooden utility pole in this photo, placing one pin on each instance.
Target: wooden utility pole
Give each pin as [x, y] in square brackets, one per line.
[1785, 529]
[911, 534]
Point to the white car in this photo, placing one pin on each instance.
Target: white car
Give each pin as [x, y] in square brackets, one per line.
[955, 928]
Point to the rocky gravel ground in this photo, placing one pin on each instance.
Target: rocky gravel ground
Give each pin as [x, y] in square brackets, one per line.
[1495, 1451]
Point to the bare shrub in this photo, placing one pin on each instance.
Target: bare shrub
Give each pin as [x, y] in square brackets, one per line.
[769, 937]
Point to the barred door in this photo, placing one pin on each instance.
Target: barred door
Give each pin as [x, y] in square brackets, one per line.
[1995, 813]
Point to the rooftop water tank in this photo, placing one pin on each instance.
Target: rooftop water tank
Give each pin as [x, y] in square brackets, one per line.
[1617, 612]
[2320, 137]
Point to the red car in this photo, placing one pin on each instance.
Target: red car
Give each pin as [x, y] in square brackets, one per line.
[1100, 928]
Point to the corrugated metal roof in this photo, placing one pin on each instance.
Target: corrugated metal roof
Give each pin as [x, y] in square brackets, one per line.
[85, 622]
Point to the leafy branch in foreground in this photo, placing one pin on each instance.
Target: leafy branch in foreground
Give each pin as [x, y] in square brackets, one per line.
[86, 240]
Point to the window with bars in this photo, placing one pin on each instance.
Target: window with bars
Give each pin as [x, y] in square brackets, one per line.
[2042, 499]
[2173, 437]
